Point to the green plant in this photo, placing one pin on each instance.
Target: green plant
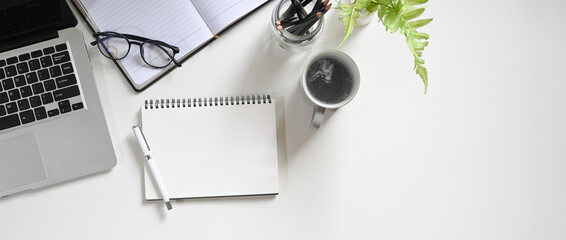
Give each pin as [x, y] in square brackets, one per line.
[396, 15]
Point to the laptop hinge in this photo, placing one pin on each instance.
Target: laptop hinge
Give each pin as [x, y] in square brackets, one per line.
[28, 39]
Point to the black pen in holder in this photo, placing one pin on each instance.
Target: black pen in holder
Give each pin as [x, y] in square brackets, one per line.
[298, 23]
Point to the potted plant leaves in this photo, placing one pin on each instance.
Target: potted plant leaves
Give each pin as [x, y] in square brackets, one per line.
[397, 16]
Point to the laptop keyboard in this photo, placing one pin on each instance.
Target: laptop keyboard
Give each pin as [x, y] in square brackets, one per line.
[36, 86]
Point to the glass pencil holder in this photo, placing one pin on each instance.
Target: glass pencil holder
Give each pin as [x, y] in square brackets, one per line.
[287, 40]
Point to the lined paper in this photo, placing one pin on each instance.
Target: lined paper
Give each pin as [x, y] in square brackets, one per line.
[176, 22]
[219, 14]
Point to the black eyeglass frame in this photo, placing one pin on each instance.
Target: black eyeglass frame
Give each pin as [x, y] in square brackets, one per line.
[140, 42]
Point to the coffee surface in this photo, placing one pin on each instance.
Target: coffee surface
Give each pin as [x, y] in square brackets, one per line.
[329, 80]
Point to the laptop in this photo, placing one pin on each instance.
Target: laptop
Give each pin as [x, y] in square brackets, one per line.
[52, 127]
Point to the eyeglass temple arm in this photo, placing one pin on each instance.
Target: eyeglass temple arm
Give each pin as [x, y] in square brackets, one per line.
[97, 40]
[142, 39]
[138, 38]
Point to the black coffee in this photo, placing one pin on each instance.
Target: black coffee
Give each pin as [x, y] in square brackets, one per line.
[329, 80]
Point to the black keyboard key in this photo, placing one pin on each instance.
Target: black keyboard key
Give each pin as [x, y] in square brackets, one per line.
[2, 110]
[49, 85]
[53, 113]
[48, 50]
[4, 97]
[67, 68]
[24, 57]
[11, 71]
[36, 54]
[11, 107]
[14, 94]
[8, 84]
[12, 60]
[66, 81]
[64, 103]
[32, 77]
[22, 68]
[55, 71]
[9, 121]
[34, 101]
[2, 74]
[78, 106]
[43, 74]
[23, 104]
[34, 64]
[2, 63]
[47, 98]
[61, 57]
[27, 116]
[65, 109]
[64, 106]
[19, 80]
[61, 47]
[40, 113]
[65, 93]
[37, 88]
[46, 61]
[26, 91]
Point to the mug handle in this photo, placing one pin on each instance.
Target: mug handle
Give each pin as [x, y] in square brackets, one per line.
[317, 117]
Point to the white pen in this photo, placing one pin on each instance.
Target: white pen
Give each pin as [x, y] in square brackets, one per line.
[152, 168]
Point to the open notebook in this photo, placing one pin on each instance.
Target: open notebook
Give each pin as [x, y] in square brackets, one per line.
[212, 147]
[187, 24]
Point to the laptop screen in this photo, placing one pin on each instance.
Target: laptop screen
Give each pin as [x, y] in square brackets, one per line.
[22, 17]
[26, 19]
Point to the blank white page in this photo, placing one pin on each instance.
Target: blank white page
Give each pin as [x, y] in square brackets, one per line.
[213, 151]
[219, 14]
[175, 22]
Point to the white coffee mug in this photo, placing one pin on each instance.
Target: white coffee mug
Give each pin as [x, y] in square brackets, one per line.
[330, 80]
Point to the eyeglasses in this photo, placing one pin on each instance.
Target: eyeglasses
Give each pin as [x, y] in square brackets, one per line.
[117, 46]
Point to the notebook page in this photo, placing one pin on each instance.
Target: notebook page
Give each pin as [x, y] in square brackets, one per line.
[219, 14]
[176, 22]
[213, 151]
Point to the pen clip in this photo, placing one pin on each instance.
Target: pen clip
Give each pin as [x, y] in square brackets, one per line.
[143, 144]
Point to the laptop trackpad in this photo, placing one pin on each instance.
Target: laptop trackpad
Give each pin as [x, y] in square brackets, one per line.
[21, 162]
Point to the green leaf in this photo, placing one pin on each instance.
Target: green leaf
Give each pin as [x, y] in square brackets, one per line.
[392, 21]
[419, 35]
[419, 45]
[382, 2]
[415, 2]
[413, 13]
[423, 73]
[372, 7]
[419, 23]
[350, 15]
[396, 15]
[381, 11]
[361, 4]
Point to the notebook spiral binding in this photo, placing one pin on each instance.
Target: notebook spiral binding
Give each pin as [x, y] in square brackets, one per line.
[207, 102]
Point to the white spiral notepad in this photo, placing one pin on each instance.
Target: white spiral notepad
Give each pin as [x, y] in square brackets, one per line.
[212, 147]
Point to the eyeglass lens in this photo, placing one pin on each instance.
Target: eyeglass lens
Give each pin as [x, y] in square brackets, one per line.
[113, 46]
[116, 46]
[155, 54]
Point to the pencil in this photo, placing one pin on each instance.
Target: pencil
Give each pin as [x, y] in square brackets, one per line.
[297, 21]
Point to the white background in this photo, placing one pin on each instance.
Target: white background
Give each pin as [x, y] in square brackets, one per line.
[480, 156]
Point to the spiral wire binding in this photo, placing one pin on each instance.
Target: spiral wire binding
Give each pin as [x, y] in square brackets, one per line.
[208, 102]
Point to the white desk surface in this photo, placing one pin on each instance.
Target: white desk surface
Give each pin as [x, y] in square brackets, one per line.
[481, 156]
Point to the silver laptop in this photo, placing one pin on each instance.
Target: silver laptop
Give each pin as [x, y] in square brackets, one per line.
[52, 127]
